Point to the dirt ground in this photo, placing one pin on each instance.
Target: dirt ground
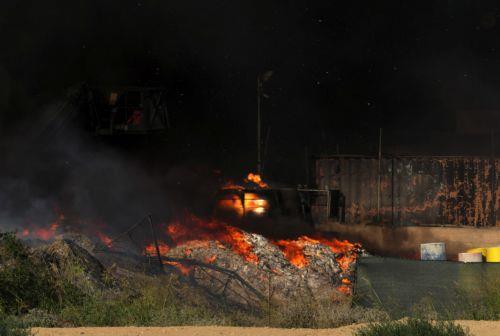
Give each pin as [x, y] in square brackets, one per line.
[477, 328]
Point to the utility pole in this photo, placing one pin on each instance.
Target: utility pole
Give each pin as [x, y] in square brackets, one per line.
[259, 153]
[261, 78]
[379, 172]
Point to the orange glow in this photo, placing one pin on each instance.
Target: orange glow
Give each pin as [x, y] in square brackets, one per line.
[255, 178]
[344, 289]
[105, 239]
[194, 230]
[211, 260]
[293, 251]
[255, 203]
[151, 249]
[240, 245]
[43, 233]
[184, 269]
[231, 203]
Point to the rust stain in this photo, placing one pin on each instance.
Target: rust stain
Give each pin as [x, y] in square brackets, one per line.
[424, 190]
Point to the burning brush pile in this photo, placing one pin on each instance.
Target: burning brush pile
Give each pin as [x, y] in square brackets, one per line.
[223, 260]
[246, 267]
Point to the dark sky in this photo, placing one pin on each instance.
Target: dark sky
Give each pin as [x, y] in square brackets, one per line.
[340, 67]
[338, 64]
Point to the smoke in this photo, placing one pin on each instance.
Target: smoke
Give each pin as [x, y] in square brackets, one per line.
[56, 168]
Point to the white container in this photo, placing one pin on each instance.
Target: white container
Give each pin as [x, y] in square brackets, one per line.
[433, 251]
[468, 257]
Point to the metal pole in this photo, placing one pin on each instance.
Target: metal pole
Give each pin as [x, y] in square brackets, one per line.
[379, 172]
[153, 234]
[306, 156]
[392, 191]
[266, 146]
[259, 158]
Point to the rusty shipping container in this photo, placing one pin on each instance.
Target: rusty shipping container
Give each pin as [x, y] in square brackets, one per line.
[458, 191]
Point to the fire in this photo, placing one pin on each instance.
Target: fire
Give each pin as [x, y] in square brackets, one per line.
[345, 289]
[197, 232]
[201, 232]
[240, 245]
[346, 250]
[231, 202]
[105, 239]
[151, 249]
[185, 269]
[255, 178]
[43, 233]
[293, 251]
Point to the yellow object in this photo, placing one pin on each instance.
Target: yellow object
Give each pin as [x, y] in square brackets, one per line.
[493, 254]
[481, 250]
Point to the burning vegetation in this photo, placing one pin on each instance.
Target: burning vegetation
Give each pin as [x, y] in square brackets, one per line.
[247, 266]
[224, 259]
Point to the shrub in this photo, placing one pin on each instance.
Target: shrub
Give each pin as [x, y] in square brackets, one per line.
[149, 302]
[10, 326]
[413, 327]
[308, 312]
[23, 284]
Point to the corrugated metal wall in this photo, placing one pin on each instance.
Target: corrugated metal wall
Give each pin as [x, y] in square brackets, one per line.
[415, 190]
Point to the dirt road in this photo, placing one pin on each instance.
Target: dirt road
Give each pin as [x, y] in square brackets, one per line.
[477, 328]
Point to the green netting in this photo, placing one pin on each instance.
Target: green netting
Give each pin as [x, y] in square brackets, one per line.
[399, 285]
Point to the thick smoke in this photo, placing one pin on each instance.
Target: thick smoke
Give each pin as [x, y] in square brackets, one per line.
[56, 168]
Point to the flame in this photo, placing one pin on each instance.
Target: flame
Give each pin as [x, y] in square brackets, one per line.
[184, 269]
[293, 251]
[345, 289]
[43, 233]
[231, 202]
[192, 232]
[200, 232]
[252, 203]
[105, 239]
[347, 251]
[151, 249]
[255, 178]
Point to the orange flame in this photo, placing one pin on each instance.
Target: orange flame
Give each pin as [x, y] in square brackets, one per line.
[293, 251]
[255, 178]
[193, 229]
[43, 233]
[184, 269]
[197, 232]
[105, 239]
